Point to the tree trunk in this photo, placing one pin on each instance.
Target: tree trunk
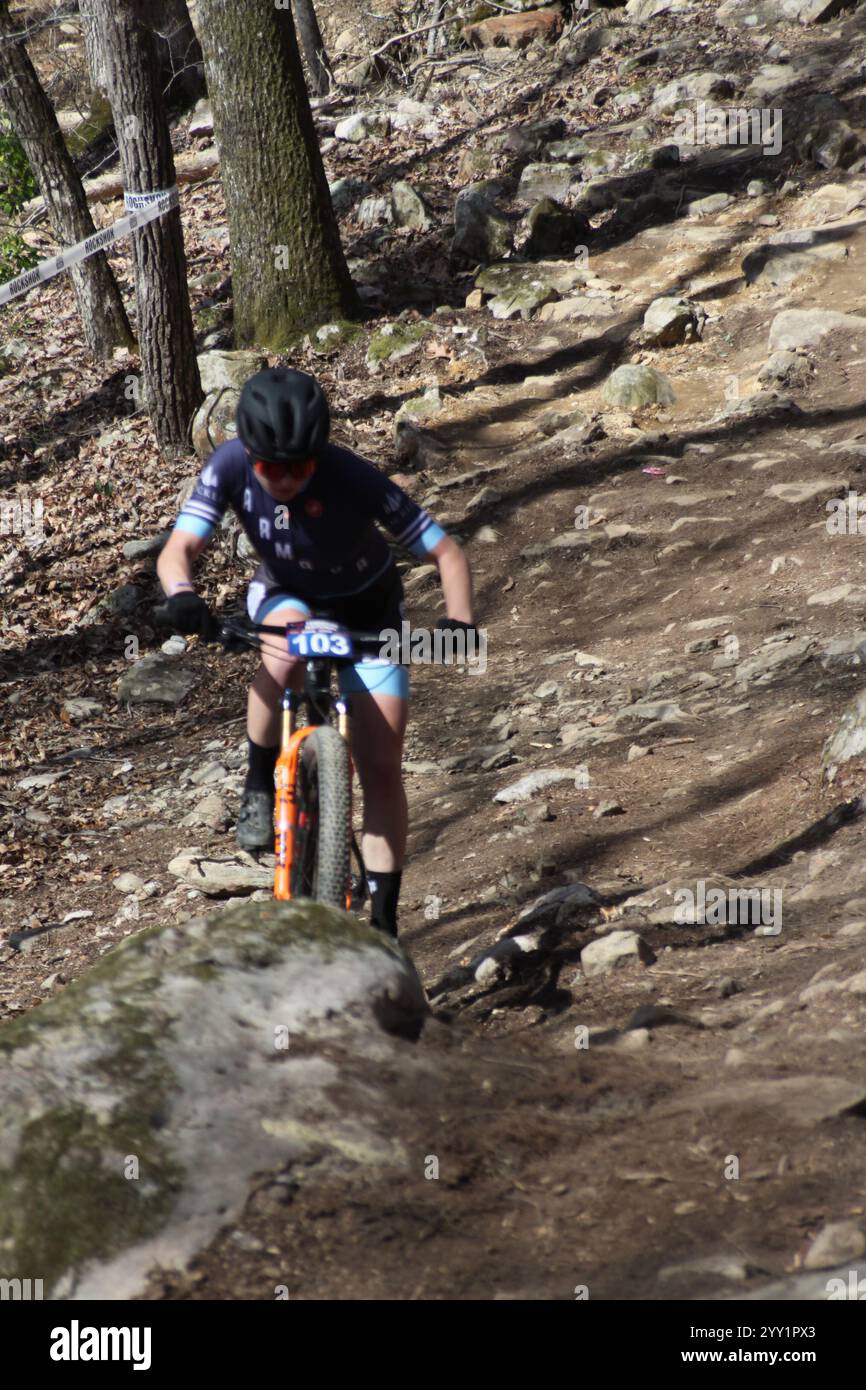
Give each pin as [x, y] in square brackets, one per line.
[103, 317]
[288, 268]
[172, 386]
[318, 62]
[177, 48]
[178, 52]
[96, 64]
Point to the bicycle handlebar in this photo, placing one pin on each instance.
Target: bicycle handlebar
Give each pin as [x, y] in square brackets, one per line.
[234, 633]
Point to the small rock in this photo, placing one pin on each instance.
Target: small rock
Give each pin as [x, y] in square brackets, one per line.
[235, 873]
[575, 903]
[202, 119]
[615, 949]
[534, 782]
[363, 126]
[155, 678]
[608, 808]
[81, 709]
[554, 230]
[798, 493]
[143, 549]
[211, 812]
[785, 369]
[837, 1243]
[728, 1267]
[849, 739]
[128, 883]
[548, 690]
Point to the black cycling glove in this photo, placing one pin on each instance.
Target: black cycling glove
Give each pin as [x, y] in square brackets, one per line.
[188, 613]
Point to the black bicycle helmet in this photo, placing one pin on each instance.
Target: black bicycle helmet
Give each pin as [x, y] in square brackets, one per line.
[283, 415]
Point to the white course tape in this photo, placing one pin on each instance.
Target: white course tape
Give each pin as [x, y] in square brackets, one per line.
[137, 202]
[146, 207]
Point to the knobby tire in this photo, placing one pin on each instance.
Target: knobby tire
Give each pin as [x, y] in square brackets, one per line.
[323, 834]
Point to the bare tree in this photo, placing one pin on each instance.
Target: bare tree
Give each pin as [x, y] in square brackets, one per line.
[288, 267]
[318, 62]
[103, 316]
[171, 378]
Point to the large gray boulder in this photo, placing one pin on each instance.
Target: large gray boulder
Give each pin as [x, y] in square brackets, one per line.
[139, 1103]
[481, 231]
[633, 386]
[228, 369]
[554, 230]
[669, 321]
[788, 255]
[545, 181]
[408, 208]
[739, 14]
[822, 133]
[346, 192]
[155, 679]
[214, 421]
[849, 739]
[804, 328]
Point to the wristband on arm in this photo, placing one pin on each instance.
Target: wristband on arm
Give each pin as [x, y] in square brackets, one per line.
[181, 584]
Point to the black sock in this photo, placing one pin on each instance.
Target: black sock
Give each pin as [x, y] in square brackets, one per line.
[384, 895]
[260, 774]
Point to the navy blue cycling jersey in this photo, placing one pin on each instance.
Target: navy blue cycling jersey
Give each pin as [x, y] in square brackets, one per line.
[324, 543]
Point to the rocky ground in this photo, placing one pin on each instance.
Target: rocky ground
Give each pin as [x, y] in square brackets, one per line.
[625, 1093]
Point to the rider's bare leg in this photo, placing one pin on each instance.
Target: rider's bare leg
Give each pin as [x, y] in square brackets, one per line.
[277, 672]
[378, 729]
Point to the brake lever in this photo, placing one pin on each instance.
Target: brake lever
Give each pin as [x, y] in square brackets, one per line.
[234, 640]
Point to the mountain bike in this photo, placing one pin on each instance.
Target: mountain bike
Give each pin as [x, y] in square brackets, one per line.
[313, 836]
[314, 773]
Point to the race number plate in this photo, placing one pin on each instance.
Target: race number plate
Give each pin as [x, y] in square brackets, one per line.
[318, 638]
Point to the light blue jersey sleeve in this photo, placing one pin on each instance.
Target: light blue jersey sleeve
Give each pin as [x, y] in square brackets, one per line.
[206, 505]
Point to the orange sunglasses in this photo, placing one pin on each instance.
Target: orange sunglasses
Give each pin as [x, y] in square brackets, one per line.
[297, 468]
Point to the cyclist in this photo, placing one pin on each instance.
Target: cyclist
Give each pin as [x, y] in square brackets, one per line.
[309, 509]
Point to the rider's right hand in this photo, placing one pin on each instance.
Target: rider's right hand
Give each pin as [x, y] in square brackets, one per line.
[188, 613]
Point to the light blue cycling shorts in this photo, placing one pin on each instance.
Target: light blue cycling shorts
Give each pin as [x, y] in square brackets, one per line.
[366, 613]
